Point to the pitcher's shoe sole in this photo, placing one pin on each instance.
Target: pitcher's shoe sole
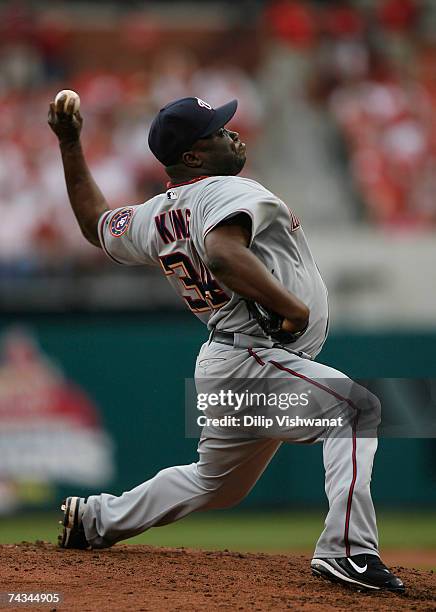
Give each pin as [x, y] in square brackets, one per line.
[73, 534]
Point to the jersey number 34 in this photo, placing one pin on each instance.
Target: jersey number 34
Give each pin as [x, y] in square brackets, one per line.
[200, 290]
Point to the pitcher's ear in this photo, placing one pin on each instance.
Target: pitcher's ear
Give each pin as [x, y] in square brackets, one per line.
[192, 160]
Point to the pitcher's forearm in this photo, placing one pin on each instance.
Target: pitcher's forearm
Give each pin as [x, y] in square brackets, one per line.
[87, 201]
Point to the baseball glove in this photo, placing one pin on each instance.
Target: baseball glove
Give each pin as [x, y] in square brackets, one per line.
[271, 323]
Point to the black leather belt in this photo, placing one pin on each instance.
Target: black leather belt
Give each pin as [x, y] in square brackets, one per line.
[229, 338]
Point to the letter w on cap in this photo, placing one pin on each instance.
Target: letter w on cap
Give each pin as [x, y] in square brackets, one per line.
[203, 103]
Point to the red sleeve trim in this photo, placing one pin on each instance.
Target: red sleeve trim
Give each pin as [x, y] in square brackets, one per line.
[101, 223]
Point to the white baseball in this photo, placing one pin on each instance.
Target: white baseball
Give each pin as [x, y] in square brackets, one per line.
[69, 94]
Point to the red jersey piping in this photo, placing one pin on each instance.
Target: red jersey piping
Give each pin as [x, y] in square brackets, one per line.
[194, 180]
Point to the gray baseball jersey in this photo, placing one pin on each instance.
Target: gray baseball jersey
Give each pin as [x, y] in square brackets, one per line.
[170, 229]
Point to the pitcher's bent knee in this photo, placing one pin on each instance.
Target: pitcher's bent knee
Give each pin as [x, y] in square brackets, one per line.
[222, 493]
[223, 498]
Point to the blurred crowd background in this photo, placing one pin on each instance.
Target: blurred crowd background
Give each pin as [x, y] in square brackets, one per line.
[337, 103]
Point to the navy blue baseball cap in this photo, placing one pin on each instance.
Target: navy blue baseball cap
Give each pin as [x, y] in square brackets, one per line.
[181, 123]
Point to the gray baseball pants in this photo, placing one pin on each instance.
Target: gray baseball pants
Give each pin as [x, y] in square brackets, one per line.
[231, 462]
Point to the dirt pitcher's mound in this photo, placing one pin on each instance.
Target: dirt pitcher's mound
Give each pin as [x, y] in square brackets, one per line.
[146, 578]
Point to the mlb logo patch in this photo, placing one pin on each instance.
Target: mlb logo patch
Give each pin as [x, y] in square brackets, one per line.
[120, 222]
[172, 195]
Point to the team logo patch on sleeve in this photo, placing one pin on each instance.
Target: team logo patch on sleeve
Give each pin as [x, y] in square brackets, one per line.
[120, 222]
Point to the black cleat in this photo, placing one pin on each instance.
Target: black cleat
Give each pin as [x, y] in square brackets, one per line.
[362, 571]
[73, 534]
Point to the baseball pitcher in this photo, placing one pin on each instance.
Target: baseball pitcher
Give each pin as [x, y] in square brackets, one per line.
[238, 257]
